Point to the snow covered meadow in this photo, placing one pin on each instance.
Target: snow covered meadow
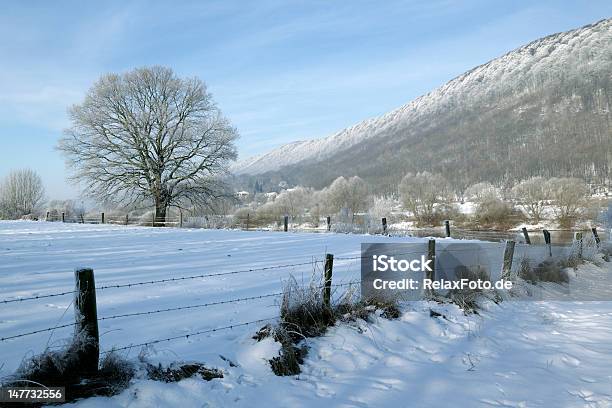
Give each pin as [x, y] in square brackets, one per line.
[517, 353]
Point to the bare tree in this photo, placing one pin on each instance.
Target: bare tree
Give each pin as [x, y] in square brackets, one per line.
[294, 202]
[350, 195]
[533, 194]
[148, 135]
[21, 193]
[381, 206]
[483, 191]
[421, 193]
[569, 195]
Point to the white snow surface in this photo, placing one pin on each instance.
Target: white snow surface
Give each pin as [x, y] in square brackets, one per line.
[515, 354]
[539, 58]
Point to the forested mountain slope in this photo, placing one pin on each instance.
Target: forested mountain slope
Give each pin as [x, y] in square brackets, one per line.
[542, 109]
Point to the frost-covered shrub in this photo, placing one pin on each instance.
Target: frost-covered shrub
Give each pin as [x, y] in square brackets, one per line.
[303, 314]
[381, 207]
[467, 299]
[209, 221]
[62, 368]
[550, 270]
[494, 211]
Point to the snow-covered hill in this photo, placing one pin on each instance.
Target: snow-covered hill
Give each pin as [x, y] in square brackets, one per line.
[551, 64]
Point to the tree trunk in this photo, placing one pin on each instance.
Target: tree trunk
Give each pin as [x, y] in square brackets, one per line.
[160, 213]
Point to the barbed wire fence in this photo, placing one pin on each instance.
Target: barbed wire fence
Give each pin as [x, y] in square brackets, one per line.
[86, 316]
[328, 226]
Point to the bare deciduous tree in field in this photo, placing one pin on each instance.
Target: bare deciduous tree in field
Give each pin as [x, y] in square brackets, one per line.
[148, 135]
[21, 193]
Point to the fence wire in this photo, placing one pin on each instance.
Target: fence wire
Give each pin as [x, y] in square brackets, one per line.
[172, 309]
[166, 280]
[182, 278]
[186, 336]
[37, 297]
[48, 329]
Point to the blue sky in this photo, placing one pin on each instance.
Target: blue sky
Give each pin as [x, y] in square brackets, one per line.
[280, 70]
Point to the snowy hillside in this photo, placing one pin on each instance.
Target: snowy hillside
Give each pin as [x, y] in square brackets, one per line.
[528, 78]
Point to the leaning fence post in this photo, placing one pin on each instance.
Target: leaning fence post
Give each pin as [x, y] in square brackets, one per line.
[86, 316]
[102, 218]
[431, 256]
[447, 228]
[286, 223]
[596, 236]
[526, 235]
[578, 239]
[63, 217]
[508, 255]
[47, 216]
[329, 266]
[384, 225]
[328, 223]
[548, 241]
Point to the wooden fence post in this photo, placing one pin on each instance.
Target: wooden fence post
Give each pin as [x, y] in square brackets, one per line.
[329, 266]
[127, 219]
[431, 256]
[86, 316]
[248, 219]
[578, 239]
[286, 223]
[508, 255]
[447, 228]
[102, 218]
[63, 217]
[548, 241]
[596, 236]
[82, 218]
[328, 223]
[180, 219]
[153, 219]
[47, 216]
[384, 225]
[526, 235]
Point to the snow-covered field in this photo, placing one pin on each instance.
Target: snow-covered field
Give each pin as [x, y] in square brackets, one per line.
[545, 354]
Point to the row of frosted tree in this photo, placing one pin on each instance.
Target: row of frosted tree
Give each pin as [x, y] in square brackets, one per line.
[426, 199]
